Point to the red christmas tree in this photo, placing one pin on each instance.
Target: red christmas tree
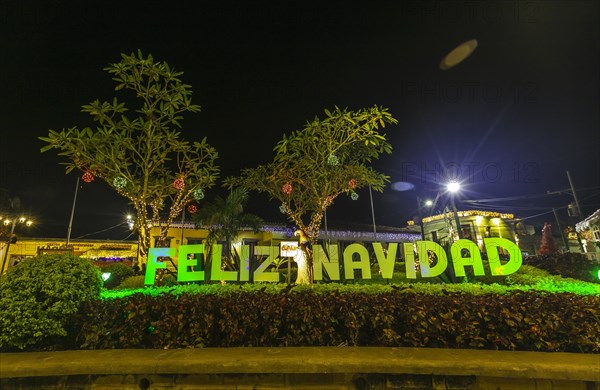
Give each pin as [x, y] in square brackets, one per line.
[548, 246]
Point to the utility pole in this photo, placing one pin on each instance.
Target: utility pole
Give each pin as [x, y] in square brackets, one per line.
[562, 234]
[72, 213]
[420, 214]
[580, 215]
[577, 207]
[373, 213]
[456, 218]
[12, 230]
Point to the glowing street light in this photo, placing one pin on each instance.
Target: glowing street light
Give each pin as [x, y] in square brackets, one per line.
[453, 188]
[420, 204]
[13, 221]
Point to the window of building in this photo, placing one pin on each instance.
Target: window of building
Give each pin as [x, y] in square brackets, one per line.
[167, 242]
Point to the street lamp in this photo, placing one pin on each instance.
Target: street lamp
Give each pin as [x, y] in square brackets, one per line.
[453, 188]
[13, 222]
[420, 204]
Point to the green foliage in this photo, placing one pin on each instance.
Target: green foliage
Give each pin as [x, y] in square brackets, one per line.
[333, 315]
[303, 161]
[40, 295]
[140, 155]
[131, 282]
[313, 166]
[568, 265]
[225, 219]
[118, 271]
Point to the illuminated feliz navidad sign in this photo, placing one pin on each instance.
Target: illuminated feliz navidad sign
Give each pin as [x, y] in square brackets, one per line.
[463, 253]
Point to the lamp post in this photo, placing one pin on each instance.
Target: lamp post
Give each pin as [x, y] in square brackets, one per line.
[13, 222]
[453, 187]
[132, 224]
[420, 204]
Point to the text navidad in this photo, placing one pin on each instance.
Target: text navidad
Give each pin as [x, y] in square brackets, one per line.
[463, 253]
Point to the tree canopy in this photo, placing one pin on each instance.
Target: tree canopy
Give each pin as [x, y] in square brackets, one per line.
[141, 153]
[330, 156]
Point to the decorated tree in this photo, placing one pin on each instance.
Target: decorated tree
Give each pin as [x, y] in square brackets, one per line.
[548, 246]
[313, 166]
[142, 155]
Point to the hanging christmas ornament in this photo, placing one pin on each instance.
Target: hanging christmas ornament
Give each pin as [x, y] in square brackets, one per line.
[286, 188]
[192, 209]
[179, 184]
[333, 160]
[354, 195]
[87, 177]
[282, 209]
[119, 182]
[199, 194]
[352, 183]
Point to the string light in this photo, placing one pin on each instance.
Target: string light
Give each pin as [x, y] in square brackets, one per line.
[286, 188]
[468, 213]
[333, 160]
[87, 177]
[119, 182]
[199, 194]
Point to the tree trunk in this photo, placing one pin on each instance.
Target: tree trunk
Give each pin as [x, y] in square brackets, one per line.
[301, 260]
[304, 259]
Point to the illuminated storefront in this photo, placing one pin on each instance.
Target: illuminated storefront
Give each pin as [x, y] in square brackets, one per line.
[475, 225]
[95, 250]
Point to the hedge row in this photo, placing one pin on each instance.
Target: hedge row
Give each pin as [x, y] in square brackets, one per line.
[568, 265]
[527, 321]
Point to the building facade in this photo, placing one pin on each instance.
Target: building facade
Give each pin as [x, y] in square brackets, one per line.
[475, 225]
[589, 228]
[95, 250]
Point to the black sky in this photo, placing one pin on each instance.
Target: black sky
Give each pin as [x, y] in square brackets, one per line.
[512, 118]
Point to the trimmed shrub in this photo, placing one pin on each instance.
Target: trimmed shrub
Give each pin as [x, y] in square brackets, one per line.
[40, 295]
[131, 282]
[568, 265]
[332, 315]
[118, 272]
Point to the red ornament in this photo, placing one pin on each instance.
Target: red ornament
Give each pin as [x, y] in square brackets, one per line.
[286, 188]
[352, 183]
[192, 209]
[87, 177]
[179, 184]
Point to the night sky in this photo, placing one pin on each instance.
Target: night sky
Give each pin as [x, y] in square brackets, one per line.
[508, 121]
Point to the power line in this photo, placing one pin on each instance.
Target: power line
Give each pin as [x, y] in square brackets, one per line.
[103, 230]
[531, 196]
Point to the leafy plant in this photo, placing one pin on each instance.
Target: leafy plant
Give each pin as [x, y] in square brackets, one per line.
[40, 295]
[142, 156]
[427, 315]
[131, 282]
[118, 271]
[225, 219]
[569, 265]
[313, 166]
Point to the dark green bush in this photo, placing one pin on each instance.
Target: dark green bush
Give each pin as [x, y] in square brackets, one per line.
[118, 272]
[40, 295]
[131, 282]
[568, 265]
[395, 316]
